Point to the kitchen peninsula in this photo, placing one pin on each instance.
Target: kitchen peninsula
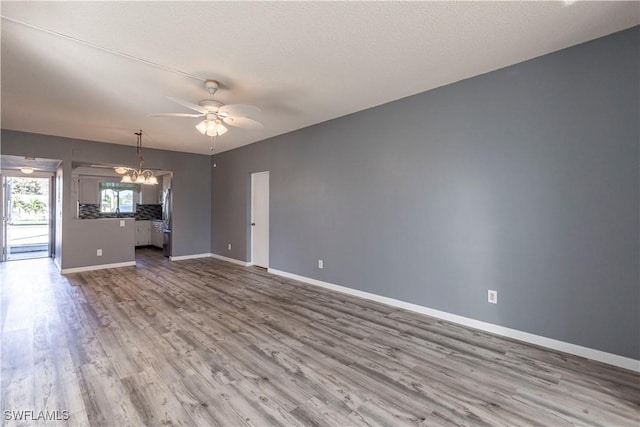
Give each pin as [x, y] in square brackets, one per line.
[105, 242]
[112, 218]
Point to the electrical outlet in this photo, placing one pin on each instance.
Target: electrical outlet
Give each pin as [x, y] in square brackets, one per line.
[99, 252]
[320, 263]
[493, 297]
[122, 223]
[229, 246]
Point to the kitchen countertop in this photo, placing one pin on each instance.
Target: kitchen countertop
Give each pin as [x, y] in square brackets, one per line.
[103, 219]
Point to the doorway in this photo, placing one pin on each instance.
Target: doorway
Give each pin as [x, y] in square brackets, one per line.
[27, 217]
[260, 219]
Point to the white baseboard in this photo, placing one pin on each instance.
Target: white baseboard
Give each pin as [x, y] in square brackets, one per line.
[233, 260]
[208, 255]
[586, 352]
[55, 261]
[194, 256]
[96, 267]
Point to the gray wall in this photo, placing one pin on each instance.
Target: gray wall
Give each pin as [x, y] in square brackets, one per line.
[117, 243]
[524, 180]
[59, 209]
[191, 186]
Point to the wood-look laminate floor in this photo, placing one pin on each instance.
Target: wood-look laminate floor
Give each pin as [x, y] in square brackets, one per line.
[205, 342]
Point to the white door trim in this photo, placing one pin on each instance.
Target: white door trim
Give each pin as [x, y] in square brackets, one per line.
[265, 221]
[3, 218]
[4, 210]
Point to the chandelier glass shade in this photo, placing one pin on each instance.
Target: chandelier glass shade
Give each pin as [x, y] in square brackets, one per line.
[140, 175]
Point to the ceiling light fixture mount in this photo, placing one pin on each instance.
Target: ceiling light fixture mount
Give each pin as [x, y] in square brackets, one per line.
[26, 170]
[137, 176]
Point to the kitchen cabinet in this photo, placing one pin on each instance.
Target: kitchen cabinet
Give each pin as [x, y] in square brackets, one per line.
[149, 195]
[157, 237]
[143, 233]
[88, 191]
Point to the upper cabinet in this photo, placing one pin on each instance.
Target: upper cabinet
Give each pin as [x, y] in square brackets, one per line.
[149, 195]
[86, 186]
[153, 194]
[88, 191]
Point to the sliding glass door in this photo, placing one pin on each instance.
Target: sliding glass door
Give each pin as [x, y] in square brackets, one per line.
[27, 217]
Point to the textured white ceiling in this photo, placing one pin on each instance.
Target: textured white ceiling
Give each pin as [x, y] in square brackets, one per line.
[300, 62]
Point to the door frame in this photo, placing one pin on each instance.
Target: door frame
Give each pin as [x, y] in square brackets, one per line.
[251, 214]
[4, 217]
[5, 205]
[52, 216]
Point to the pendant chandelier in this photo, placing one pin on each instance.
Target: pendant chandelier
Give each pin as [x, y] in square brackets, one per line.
[137, 176]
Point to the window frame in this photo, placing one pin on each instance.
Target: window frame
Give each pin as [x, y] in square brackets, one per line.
[116, 189]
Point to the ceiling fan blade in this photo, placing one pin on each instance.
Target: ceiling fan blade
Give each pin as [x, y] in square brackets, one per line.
[175, 115]
[239, 110]
[189, 105]
[243, 122]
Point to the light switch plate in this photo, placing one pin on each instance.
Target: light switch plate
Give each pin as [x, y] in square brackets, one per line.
[122, 223]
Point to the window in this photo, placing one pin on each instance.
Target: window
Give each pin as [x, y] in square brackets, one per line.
[117, 197]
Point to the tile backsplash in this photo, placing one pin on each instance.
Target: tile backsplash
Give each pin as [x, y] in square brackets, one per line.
[143, 212]
[87, 211]
[148, 212]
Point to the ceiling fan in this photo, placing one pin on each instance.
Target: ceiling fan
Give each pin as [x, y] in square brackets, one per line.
[217, 114]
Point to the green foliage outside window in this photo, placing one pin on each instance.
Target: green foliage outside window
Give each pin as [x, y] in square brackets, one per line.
[115, 196]
[27, 186]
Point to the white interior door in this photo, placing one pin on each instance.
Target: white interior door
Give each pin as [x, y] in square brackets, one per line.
[260, 219]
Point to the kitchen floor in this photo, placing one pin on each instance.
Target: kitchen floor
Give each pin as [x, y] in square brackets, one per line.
[144, 253]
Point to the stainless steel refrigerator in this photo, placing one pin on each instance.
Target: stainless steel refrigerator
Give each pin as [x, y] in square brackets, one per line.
[166, 219]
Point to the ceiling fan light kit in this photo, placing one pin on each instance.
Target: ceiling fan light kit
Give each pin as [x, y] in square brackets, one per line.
[137, 176]
[211, 128]
[217, 114]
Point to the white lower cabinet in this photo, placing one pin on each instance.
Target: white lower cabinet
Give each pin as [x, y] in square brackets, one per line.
[143, 233]
[149, 233]
[157, 237]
